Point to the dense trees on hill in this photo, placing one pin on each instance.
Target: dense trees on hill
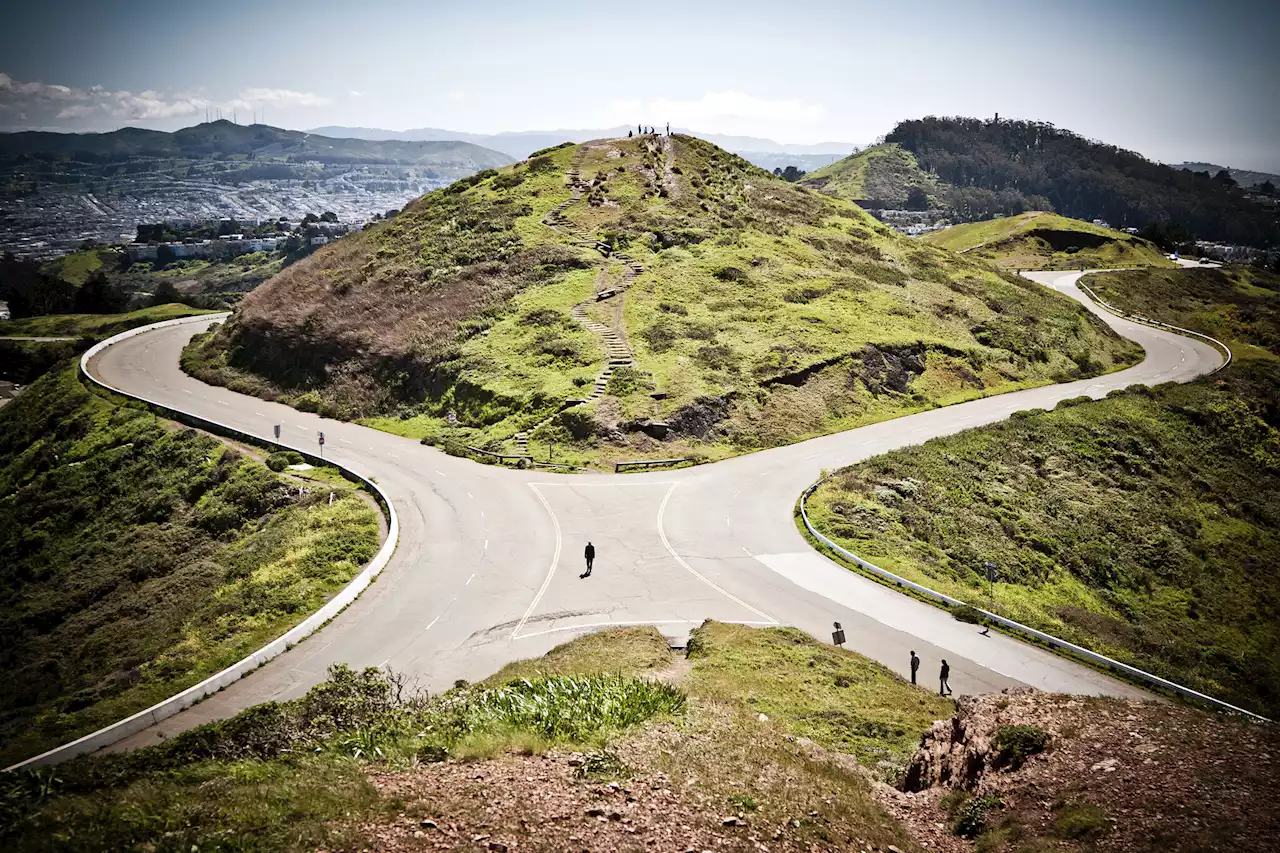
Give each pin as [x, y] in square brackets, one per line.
[1027, 163]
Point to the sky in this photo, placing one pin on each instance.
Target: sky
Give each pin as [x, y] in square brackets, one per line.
[1172, 80]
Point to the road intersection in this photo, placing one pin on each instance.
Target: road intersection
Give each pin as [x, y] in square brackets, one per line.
[488, 563]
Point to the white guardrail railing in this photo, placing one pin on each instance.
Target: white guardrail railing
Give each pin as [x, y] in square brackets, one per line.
[1026, 630]
[144, 719]
[1136, 318]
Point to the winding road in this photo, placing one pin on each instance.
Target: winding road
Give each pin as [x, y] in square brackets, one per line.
[487, 569]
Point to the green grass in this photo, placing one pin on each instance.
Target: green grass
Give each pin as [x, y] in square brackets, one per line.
[293, 776]
[766, 314]
[835, 697]
[1142, 526]
[1238, 305]
[143, 557]
[93, 325]
[884, 173]
[77, 266]
[630, 651]
[1040, 240]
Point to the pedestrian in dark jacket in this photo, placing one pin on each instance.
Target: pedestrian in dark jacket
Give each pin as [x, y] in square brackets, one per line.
[915, 665]
[590, 554]
[944, 689]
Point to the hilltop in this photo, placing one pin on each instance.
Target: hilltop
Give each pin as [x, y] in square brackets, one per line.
[698, 305]
[1040, 240]
[224, 139]
[1013, 166]
[885, 175]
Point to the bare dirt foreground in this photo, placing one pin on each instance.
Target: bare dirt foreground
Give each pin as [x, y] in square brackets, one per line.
[1111, 775]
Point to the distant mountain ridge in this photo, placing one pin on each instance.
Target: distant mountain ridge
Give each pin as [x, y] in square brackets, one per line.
[519, 144]
[1244, 177]
[224, 138]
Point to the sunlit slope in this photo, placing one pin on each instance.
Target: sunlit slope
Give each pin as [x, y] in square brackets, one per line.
[1037, 239]
[762, 312]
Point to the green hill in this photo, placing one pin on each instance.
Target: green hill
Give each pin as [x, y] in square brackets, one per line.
[882, 175]
[1009, 166]
[728, 310]
[1040, 240]
[1145, 526]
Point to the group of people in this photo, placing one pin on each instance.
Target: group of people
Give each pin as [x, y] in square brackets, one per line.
[944, 689]
[641, 130]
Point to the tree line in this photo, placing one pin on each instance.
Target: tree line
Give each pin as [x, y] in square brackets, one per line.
[1013, 166]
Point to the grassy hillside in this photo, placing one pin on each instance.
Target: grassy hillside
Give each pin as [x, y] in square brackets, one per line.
[1040, 240]
[884, 174]
[763, 313]
[1145, 526]
[93, 325]
[142, 557]
[1238, 305]
[575, 751]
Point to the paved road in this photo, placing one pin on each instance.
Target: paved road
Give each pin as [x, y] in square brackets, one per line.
[488, 565]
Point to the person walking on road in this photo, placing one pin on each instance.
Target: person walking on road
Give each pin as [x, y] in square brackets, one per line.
[590, 554]
[944, 689]
[915, 665]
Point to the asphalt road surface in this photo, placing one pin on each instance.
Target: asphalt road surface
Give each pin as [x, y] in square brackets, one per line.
[489, 561]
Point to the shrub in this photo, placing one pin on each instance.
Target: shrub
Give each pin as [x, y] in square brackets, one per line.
[661, 335]
[308, 402]
[971, 818]
[1080, 821]
[283, 459]
[1015, 744]
[673, 308]
[967, 613]
[717, 357]
[1073, 401]
[578, 422]
[507, 180]
[538, 165]
[731, 274]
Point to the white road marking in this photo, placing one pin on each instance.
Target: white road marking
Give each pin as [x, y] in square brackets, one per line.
[745, 551]
[473, 497]
[486, 545]
[555, 559]
[185, 391]
[393, 456]
[813, 456]
[344, 441]
[735, 494]
[442, 474]
[301, 428]
[220, 402]
[663, 533]
[259, 414]
[727, 523]
[470, 579]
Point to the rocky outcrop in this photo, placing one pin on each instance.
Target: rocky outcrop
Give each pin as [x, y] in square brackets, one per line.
[958, 752]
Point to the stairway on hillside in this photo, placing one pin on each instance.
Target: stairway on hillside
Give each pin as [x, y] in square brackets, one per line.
[617, 352]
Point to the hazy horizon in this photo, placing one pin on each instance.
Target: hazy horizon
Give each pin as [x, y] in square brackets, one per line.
[1169, 80]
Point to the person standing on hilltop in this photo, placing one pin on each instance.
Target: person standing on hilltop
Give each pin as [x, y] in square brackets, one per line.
[590, 554]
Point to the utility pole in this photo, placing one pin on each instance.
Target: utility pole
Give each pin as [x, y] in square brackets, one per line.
[991, 584]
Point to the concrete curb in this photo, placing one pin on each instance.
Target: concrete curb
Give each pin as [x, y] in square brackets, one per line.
[103, 737]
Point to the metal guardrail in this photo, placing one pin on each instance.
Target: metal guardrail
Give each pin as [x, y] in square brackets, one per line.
[1017, 627]
[618, 466]
[1150, 322]
[135, 723]
[517, 456]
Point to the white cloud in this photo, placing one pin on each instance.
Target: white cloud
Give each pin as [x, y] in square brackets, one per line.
[257, 97]
[355, 94]
[50, 102]
[714, 108]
